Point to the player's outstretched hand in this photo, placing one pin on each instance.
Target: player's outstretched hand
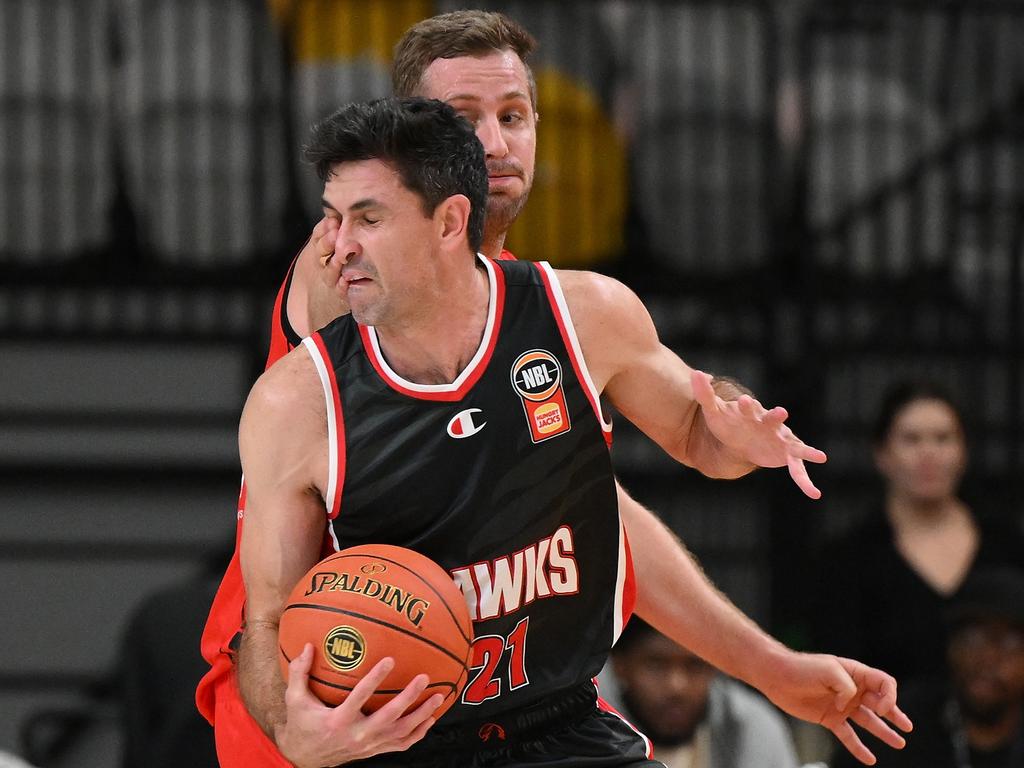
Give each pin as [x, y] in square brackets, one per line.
[317, 735]
[835, 692]
[756, 434]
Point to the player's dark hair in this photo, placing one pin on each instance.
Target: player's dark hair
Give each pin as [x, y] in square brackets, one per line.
[435, 152]
[902, 394]
[459, 33]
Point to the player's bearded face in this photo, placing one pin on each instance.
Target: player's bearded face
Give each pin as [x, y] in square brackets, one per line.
[504, 207]
[493, 92]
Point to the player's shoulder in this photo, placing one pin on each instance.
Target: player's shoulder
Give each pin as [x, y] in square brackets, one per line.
[287, 384]
[594, 291]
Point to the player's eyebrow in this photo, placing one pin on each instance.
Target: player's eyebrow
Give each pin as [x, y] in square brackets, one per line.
[359, 205]
[510, 96]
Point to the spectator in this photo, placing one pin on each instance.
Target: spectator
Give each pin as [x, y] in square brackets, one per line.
[695, 717]
[885, 585]
[159, 669]
[974, 716]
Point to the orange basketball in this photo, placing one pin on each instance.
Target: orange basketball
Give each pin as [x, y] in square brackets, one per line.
[364, 603]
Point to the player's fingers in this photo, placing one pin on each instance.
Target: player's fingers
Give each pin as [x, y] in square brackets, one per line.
[331, 227]
[877, 727]
[418, 733]
[844, 687]
[849, 739]
[413, 720]
[749, 407]
[798, 472]
[396, 708]
[886, 707]
[703, 392]
[363, 690]
[898, 717]
[813, 455]
[881, 694]
[325, 243]
[297, 689]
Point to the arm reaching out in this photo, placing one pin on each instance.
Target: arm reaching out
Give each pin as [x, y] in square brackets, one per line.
[823, 689]
[680, 409]
[671, 403]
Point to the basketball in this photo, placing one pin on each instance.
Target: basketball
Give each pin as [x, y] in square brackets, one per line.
[364, 603]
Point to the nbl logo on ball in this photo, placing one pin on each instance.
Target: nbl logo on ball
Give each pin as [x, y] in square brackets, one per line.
[537, 379]
[344, 648]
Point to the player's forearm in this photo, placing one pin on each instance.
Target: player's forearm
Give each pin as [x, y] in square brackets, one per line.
[675, 596]
[259, 676]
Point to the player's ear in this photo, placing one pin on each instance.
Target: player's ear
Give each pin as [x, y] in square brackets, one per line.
[452, 219]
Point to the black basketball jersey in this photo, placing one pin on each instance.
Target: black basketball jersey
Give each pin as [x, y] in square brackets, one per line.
[503, 477]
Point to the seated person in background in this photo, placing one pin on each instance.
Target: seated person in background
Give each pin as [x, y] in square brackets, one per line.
[974, 716]
[694, 716]
[160, 668]
[884, 586]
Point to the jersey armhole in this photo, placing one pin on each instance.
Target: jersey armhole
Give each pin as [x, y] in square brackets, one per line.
[335, 423]
[289, 332]
[572, 344]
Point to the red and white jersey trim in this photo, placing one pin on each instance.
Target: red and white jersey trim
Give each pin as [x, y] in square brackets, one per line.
[335, 425]
[470, 374]
[623, 576]
[572, 343]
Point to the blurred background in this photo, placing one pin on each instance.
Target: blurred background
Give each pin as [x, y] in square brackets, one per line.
[817, 198]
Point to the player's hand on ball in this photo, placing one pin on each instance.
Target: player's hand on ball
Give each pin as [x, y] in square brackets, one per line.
[316, 735]
[756, 434]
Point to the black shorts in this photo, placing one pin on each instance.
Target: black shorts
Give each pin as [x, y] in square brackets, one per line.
[567, 731]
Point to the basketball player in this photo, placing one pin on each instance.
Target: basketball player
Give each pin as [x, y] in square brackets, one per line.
[477, 60]
[455, 56]
[352, 433]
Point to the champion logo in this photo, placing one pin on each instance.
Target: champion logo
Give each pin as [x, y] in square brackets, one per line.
[464, 425]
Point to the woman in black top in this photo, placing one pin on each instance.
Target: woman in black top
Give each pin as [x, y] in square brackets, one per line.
[887, 582]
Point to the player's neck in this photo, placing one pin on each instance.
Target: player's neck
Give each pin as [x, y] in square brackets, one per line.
[493, 243]
[436, 345]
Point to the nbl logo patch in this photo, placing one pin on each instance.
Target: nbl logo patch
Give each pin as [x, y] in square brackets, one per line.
[537, 379]
[344, 648]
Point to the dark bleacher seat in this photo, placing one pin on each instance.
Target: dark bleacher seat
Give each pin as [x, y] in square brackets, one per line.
[700, 86]
[202, 125]
[56, 168]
